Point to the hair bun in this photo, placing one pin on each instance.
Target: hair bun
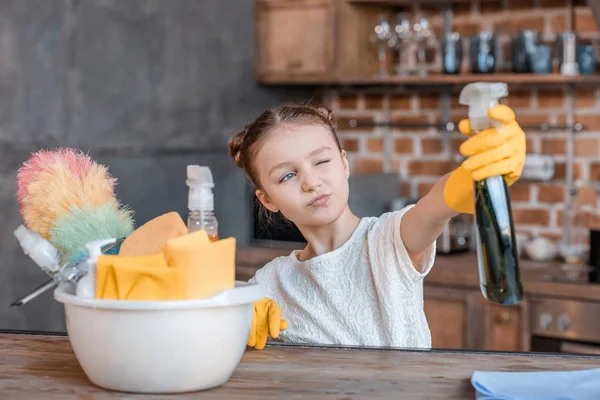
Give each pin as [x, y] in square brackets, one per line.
[235, 147]
[328, 115]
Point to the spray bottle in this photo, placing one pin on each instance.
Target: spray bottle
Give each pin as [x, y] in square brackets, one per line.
[201, 214]
[41, 251]
[50, 260]
[497, 255]
[86, 287]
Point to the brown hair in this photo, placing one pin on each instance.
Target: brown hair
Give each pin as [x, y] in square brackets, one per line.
[244, 146]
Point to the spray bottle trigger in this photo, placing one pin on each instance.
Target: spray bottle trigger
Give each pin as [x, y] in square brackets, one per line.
[94, 248]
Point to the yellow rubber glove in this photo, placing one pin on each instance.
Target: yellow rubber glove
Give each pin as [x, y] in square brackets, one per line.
[266, 321]
[491, 152]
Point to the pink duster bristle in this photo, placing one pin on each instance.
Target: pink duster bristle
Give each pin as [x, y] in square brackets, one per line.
[51, 183]
[74, 160]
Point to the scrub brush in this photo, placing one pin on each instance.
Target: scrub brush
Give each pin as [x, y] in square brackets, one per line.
[68, 200]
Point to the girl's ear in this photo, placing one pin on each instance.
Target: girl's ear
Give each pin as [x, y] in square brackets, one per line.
[346, 164]
[266, 201]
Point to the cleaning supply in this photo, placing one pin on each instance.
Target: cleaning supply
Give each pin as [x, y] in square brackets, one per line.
[146, 278]
[41, 251]
[205, 266]
[497, 255]
[49, 259]
[157, 260]
[188, 241]
[56, 188]
[68, 199]
[86, 287]
[201, 214]
[266, 321]
[538, 385]
[184, 268]
[82, 225]
[489, 154]
[158, 347]
[46, 256]
[151, 237]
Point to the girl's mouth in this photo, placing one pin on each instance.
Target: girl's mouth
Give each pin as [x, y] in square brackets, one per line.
[319, 201]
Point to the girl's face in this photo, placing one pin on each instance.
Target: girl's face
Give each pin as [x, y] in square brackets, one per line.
[303, 175]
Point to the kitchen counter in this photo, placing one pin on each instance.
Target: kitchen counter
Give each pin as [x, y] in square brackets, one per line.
[460, 270]
[38, 366]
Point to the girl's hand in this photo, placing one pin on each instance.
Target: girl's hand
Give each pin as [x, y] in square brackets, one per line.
[266, 321]
[491, 152]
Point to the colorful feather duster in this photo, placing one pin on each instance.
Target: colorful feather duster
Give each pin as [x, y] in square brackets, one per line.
[69, 199]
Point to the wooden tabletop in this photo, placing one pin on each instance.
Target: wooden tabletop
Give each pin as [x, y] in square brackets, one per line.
[460, 270]
[44, 367]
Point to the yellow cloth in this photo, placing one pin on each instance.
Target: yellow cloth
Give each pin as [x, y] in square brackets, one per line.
[491, 152]
[137, 278]
[206, 267]
[189, 267]
[266, 321]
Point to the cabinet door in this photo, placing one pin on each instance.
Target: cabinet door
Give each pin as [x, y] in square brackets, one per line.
[506, 328]
[454, 318]
[295, 41]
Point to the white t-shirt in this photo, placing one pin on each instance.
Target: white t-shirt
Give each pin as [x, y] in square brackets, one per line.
[365, 293]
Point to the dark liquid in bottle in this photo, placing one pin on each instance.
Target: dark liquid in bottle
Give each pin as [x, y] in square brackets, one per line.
[497, 255]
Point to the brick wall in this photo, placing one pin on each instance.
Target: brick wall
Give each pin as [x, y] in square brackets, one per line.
[418, 155]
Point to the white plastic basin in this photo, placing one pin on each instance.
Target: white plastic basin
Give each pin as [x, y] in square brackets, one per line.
[160, 346]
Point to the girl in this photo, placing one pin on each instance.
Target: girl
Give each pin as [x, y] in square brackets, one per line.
[358, 281]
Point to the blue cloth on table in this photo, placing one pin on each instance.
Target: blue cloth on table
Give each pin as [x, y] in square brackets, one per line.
[543, 385]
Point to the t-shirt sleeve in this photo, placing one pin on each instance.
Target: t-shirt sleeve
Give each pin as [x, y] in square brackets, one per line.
[258, 277]
[385, 240]
[264, 277]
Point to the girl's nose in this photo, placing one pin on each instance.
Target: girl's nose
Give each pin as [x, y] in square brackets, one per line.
[311, 183]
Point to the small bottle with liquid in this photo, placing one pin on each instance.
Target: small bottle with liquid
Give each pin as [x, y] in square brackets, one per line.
[201, 215]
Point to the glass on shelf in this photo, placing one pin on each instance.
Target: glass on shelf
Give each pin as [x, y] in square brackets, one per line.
[423, 36]
[401, 40]
[382, 38]
[573, 244]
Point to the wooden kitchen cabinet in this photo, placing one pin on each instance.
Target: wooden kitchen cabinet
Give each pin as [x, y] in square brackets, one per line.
[315, 41]
[506, 328]
[454, 317]
[295, 40]
[463, 319]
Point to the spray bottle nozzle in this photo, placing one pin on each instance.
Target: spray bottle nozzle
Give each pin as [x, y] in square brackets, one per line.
[480, 97]
[200, 175]
[200, 182]
[480, 91]
[95, 248]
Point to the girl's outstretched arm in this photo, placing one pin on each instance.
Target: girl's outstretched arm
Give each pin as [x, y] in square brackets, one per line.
[491, 152]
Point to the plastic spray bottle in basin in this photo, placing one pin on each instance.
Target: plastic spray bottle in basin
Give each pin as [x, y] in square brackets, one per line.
[86, 287]
[497, 255]
[201, 215]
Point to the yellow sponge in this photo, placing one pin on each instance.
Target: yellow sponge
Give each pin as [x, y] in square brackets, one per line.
[189, 241]
[206, 267]
[151, 237]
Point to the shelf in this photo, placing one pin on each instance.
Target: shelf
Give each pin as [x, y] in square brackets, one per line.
[441, 79]
[405, 3]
